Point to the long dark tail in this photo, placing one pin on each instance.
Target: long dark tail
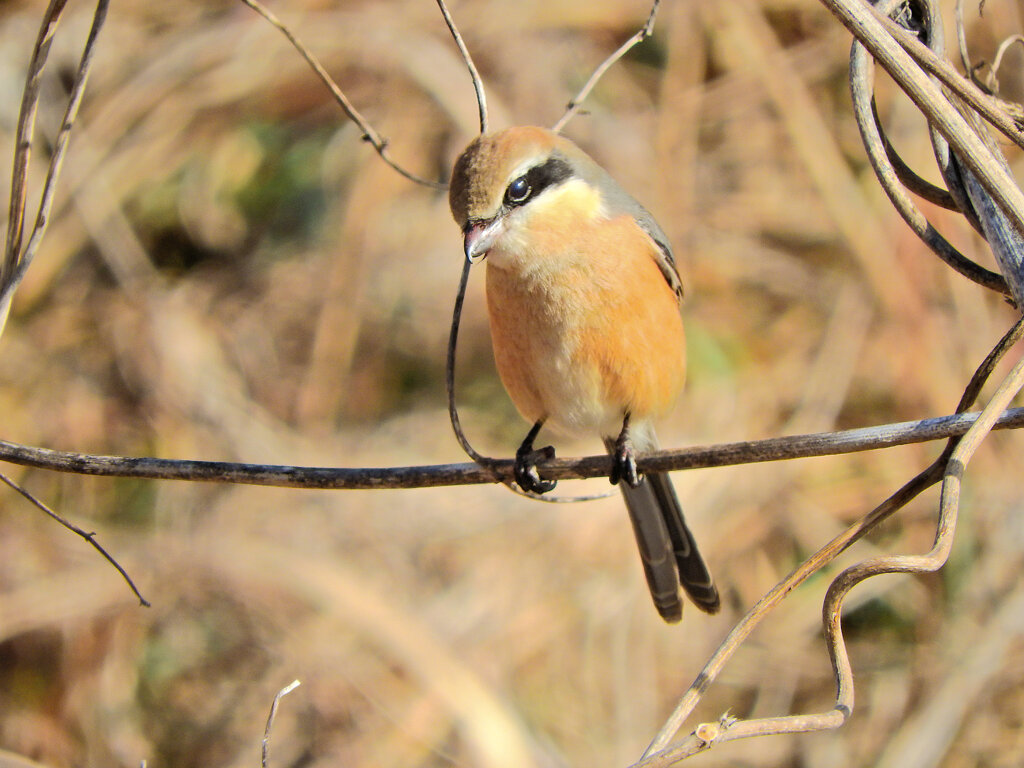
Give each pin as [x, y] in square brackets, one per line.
[668, 550]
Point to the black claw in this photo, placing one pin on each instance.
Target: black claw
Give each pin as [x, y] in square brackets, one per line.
[525, 470]
[624, 466]
[624, 459]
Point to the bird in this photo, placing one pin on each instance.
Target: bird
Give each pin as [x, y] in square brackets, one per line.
[583, 301]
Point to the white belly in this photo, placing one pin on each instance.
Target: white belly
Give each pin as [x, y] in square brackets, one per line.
[572, 394]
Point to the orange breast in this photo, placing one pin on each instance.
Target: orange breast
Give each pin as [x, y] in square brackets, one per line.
[584, 325]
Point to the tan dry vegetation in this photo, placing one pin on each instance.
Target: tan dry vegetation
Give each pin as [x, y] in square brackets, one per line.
[232, 274]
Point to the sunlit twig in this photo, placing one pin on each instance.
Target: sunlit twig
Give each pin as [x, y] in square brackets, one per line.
[478, 85]
[270, 720]
[88, 536]
[997, 62]
[16, 259]
[641, 34]
[370, 134]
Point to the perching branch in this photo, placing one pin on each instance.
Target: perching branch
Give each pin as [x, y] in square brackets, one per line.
[428, 476]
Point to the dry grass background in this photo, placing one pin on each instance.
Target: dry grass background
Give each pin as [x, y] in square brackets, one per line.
[232, 274]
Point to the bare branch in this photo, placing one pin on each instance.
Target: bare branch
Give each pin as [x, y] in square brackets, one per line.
[478, 85]
[642, 34]
[370, 134]
[89, 537]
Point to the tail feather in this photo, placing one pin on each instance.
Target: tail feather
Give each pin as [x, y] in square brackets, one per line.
[655, 545]
[668, 549]
[694, 575]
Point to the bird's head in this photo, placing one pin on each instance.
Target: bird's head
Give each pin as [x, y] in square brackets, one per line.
[504, 177]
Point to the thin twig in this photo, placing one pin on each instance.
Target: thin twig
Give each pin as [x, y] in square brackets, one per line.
[997, 62]
[270, 718]
[991, 84]
[88, 536]
[19, 266]
[642, 34]
[478, 85]
[23, 137]
[961, 42]
[370, 134]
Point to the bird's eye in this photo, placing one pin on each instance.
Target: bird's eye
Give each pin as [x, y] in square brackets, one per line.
[518, 191]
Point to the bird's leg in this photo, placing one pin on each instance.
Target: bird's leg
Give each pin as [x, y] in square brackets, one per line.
[624, 458]
[525, 469]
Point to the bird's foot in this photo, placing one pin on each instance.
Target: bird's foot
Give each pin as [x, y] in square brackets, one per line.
[624, 461]
[525, 469]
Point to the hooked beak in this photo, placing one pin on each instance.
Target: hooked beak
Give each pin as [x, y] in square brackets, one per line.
[480, 237]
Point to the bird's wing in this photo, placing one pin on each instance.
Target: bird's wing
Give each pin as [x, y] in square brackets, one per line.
[619, 202]
[664, 258]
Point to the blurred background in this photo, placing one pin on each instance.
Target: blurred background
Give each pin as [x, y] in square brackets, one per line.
[230, 273]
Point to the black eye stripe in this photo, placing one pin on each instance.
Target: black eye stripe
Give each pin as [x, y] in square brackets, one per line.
[549, 173]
